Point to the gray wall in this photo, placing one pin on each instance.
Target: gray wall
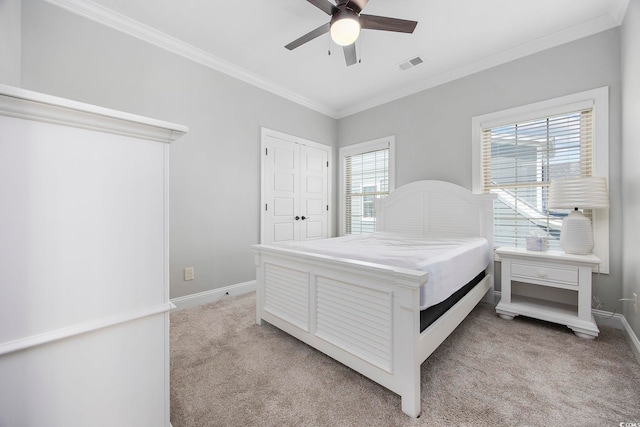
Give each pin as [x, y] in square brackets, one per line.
[215, 169]
[10, 42]
[631, 159]
[433, 127]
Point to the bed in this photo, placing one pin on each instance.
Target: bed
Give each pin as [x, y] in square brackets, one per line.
[368, 313]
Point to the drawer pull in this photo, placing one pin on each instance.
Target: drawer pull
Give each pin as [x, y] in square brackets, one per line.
[542, 273]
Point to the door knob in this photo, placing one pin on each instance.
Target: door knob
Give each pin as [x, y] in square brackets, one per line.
[304, 217]
[298, 218]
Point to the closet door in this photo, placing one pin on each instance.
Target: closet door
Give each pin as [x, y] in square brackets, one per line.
[313, 193]
[281, 182]
[295, 189]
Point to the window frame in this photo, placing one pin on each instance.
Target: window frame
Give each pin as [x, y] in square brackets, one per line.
[361, 148]
[598, 100]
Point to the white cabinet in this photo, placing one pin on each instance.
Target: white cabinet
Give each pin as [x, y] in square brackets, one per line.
[548, 285]
[84, 264]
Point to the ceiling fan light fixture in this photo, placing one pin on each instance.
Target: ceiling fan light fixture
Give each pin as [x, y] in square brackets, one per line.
[345, 28]
[346, 23]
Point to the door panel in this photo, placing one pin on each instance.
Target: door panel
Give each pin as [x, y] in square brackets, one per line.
[285, 156]
[314, 230]
[284, 182]
[314, 186]
[314, 207]
[284, 232]
[313, 197]
[281, 172]
[284, 207]
[315, 160]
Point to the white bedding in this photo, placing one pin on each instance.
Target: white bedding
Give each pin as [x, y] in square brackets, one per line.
[451, 263]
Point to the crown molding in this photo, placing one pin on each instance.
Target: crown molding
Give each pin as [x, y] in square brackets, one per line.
[619, 10]
[109, 18]
[603, 23]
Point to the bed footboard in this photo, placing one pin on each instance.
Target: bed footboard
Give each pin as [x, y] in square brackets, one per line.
[364, 315]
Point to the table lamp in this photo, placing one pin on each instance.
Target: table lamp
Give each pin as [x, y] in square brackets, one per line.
[576, 236]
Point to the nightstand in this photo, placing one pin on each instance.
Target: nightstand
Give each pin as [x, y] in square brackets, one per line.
[549, 285]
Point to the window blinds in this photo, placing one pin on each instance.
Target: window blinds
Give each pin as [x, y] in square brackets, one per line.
[518, 162]
[366, 178]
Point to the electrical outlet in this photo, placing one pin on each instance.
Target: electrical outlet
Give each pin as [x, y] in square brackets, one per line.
[635, 303]
[188, 274]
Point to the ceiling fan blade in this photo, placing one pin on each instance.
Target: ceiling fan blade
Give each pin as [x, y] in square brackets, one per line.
[350, 54]
[324, 28]
[372, 22]
[324, 5]
[357, 5]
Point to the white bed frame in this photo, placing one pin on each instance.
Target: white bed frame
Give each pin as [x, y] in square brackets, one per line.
[367, 316]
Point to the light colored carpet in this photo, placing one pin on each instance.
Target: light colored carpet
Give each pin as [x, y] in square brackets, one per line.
[227, 371]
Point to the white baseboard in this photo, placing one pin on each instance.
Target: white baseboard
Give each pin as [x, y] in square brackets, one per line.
[618, 321]
[213, 295]
[632, 337]
[496, 297]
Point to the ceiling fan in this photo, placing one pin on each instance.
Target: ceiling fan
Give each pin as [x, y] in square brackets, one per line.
[346, 22]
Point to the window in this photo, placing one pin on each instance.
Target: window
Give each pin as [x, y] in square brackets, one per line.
[518, 152]
[366, 174]
[519, 160]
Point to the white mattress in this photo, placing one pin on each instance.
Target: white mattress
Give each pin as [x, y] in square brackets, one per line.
[451, 263]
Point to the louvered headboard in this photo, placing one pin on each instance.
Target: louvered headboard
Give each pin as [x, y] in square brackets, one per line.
[437, 209]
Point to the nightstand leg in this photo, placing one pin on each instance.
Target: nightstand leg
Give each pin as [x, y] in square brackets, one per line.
[587, 335]
[584, 294]
[505, 282]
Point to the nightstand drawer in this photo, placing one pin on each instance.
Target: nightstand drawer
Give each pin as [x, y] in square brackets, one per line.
[567, 275]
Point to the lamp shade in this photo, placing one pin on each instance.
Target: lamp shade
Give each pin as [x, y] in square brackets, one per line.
[576, 236]
[584, 192]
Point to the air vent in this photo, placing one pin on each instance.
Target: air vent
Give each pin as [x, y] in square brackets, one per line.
[411, 63]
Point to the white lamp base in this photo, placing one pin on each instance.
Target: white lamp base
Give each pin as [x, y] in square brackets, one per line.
[577, 234]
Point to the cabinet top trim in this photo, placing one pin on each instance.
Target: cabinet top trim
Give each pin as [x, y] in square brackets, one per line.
[26, 104]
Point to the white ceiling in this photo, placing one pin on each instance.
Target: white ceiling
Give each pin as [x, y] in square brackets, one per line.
[454, 37]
